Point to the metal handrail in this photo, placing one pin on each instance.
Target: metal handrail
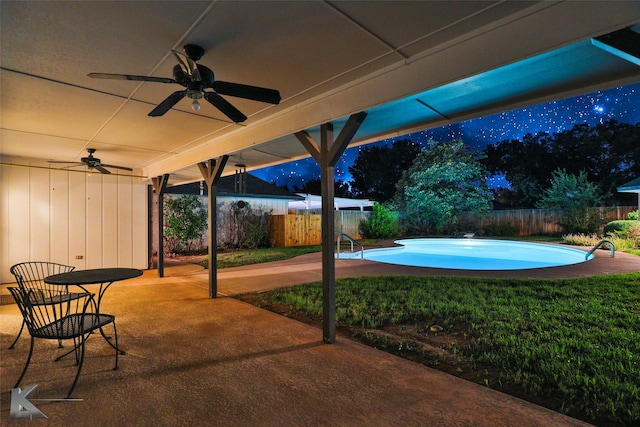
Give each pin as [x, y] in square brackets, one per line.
[600, 243]
[350, 239]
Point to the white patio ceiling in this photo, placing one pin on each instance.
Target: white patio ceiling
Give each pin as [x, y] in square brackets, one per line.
[410, 65]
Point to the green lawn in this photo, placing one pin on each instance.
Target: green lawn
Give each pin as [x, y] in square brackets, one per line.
[572, 345]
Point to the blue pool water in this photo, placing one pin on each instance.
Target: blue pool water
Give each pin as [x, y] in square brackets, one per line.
[474, 254]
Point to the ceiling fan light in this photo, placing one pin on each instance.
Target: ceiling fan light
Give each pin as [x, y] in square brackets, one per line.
[194, 94]
[195, 105]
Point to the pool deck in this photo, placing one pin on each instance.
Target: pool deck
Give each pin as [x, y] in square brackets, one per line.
[201, 361]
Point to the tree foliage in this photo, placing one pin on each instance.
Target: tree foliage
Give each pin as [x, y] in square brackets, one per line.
[377, 169]
[185, 219]
[382, 223]
[608, 153]
[574, 195]
[314, 186]
[443, 180]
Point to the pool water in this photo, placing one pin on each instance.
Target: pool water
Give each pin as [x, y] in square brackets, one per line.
[474, 254]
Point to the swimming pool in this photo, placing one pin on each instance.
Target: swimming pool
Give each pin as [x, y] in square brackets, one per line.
[473, 254]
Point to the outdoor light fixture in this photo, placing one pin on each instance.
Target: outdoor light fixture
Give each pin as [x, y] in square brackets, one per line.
[195, 95]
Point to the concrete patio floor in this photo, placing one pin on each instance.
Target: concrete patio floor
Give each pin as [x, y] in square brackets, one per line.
[192, 360]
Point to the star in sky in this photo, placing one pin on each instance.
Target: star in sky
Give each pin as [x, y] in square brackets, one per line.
[621, 104]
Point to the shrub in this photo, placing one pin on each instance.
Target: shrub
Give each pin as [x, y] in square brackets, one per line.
[622, 228]
[633, 215]
[593, 239]
[496, 230]
[382, 224]
[243, 226]
[185, 219]
[574, 195]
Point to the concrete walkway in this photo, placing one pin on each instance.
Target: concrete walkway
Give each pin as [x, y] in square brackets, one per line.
[192, 360]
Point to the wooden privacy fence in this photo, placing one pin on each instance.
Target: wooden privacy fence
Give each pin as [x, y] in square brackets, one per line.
[537, 221]
[299, 230]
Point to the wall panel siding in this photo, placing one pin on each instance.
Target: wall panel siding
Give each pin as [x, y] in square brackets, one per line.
[94, 216]
[139, 223]
[77, 220]
[18, 231]
[109, 221]
[39, 215]
[4, 213]
[52, 215]
[59, 227]
[125, 220]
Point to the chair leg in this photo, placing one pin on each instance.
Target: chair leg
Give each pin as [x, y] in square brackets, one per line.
[80, 349]
[115, 334]
[18, 336]
[24, 371]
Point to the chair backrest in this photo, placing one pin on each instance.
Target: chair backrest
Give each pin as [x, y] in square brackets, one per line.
[51, 314]
[31, 275]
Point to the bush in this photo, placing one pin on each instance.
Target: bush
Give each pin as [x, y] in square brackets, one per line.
[242, 226]
[574, 195]
[496, 230]
[619, 243]
[622, 228]
[382, 224]
[633, 215]
[185, 220]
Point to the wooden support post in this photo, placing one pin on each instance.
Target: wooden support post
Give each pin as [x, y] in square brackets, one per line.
[327, 155]
[211, 172]
[159, 185]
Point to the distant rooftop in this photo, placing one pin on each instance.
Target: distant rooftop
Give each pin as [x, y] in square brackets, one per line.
[229, 186]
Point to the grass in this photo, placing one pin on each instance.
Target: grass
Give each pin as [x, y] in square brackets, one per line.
[237, 258]
[572, 345]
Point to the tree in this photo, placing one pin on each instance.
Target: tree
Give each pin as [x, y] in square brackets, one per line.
[608, 153]
[444, 180]
[185, 219]
[377, 169]
[525, 163]
[574, 195]
[314, 186]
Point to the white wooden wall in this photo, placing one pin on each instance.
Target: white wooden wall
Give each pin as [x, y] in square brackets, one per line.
[89, 221]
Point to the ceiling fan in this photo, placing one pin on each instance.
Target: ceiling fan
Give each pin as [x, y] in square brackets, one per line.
[93, 163]
[196, 78]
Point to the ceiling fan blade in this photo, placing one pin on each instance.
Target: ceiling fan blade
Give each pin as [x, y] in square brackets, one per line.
[69, 163]
[130, 77]
[100, 168]
[169, 102]
[188, 65]
[255, 93]
[116, 167]
[223, 105]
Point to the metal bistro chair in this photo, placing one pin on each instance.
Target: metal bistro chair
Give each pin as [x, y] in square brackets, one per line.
[31, 275]
[54, 315]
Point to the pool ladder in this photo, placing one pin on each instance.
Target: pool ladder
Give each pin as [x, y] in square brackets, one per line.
[351, 240]
[600, 243]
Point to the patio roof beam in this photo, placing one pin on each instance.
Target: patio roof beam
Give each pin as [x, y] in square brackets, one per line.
[623, 43]
[159, 186]
[211, 171]
[327, 154]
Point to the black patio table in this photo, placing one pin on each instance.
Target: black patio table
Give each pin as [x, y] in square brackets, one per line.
[103, 276]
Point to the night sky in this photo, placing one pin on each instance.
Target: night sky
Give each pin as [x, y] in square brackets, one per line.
[621, 104]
